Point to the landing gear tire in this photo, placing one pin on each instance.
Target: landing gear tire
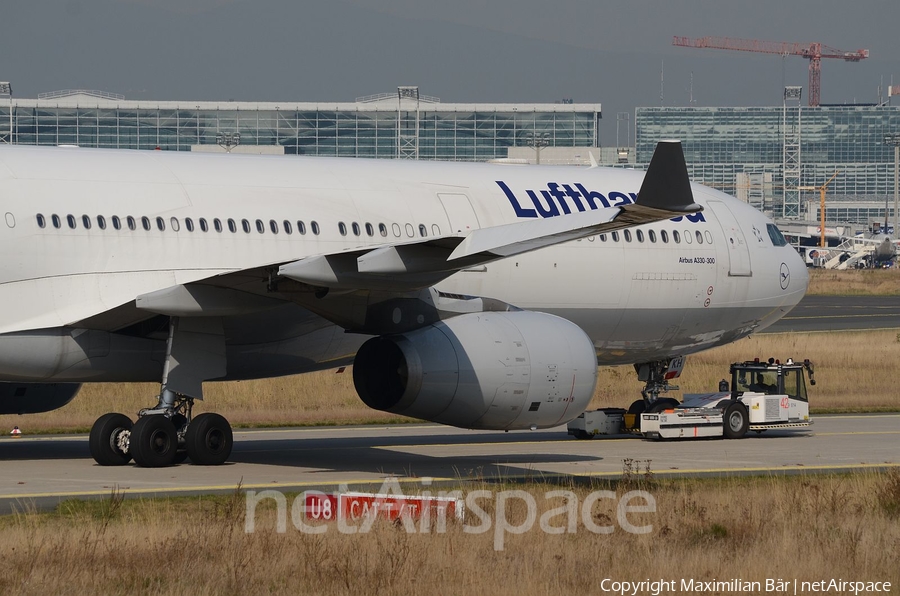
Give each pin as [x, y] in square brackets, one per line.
[108, 441]
[581, 435]
[663, 404]
[154, 442]
[209, 440]
[737, 421]
[637, 407]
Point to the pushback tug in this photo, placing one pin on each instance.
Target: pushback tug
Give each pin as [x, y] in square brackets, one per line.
[762, 396]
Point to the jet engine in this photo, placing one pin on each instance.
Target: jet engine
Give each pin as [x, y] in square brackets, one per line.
[491, 370]
[32, 398]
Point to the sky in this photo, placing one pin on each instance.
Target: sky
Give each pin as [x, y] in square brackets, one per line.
[610, 52]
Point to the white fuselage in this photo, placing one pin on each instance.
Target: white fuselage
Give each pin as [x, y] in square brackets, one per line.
[68, 264]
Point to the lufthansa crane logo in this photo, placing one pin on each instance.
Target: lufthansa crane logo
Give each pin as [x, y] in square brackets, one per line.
[785, 276]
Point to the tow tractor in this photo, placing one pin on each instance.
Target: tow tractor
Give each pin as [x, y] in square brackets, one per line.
[762, 396]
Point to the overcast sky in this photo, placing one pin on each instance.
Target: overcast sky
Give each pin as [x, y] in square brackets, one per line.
[458, 50]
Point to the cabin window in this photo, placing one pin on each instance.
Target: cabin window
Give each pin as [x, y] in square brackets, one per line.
[627, 234]
[204, 227]
[699, 237]
[70, 219]
[161, 224]
[232, 226]
[602, 237]
[615, 236]
[640, 235]
[708, 237]
[86, 221]
[174, 223]
[355, 227]
[382, 229]
[688, 238]
[369, 229]
[116, 222]
[314, 226]
[676, 237]
[217, 225]
[423, 231]
[260, 226]
[132, 225]
[287, 227]
[101, 222]
[664, 236]
[273, 226]
[56, 222]
[396, 229]
[342, 228]
[145, 222]
[245, 225]
[301, 227]
[651, 235]
[189, 224]
[42, 223]
[435, 230]
[410, 231]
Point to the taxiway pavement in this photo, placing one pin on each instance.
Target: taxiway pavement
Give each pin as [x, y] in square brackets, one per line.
[42, 471]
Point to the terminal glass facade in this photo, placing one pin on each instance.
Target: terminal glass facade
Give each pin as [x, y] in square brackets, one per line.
[387, 126]
[729, 148]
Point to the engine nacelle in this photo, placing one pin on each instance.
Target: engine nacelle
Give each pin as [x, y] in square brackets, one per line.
[492, 370]
[33, 398]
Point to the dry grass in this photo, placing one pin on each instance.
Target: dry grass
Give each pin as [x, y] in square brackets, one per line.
[861, 282]
[810, 528]
[850, 369]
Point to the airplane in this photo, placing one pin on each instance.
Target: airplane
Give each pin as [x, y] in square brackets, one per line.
[473, 295]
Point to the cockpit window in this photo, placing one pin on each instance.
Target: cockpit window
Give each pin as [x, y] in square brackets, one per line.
[775, 235]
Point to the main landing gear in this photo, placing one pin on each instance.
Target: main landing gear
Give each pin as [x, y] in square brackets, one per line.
[162, 436]
[167, 433]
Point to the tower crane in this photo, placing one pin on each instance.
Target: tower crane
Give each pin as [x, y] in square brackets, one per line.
[814, 52]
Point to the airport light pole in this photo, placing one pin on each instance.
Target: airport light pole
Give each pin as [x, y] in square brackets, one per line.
[537, 140]
[893, 139]
[228, 140]
[6, 89]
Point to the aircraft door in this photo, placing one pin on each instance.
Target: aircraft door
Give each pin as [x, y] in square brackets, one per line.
[460, 213]
[736, 243]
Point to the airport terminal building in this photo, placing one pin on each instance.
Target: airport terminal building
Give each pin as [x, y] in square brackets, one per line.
[771, 157]
[781, 155]
[403, 124]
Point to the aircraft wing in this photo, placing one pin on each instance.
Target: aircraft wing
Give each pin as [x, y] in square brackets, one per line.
[665, 193]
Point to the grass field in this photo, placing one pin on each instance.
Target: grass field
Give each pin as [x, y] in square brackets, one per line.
[857, 282]
[810, 528]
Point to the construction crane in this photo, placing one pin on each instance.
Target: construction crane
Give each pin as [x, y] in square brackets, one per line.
[814, 52]
[821, 190]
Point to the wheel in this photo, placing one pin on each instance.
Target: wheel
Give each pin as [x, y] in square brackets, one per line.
[637, 407]
[737, 421]
[154, 441]
[665, 403]
[208, 440]
[580, 434]
[109, 439]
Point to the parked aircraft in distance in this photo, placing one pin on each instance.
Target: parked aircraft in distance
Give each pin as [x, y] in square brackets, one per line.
[474, 295]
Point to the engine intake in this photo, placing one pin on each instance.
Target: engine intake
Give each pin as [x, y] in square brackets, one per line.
[492, 370]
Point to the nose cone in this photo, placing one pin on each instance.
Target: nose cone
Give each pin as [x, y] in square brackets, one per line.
[799, 278]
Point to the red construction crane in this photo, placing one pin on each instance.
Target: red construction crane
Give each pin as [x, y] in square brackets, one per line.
[814, 52]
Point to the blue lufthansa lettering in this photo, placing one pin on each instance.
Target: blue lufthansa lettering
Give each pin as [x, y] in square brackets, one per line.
[620, 197]
[520, 212]
[591, 196]
[551, 211]
[560, 196]
[575, 196]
